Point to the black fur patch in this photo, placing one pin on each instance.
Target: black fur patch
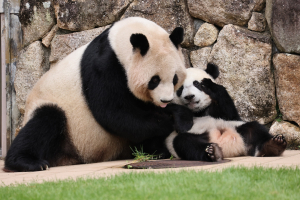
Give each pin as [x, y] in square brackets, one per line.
[139, 41]
[212, 70]
[40, 142]
[177, 36]
[197, 85]
[154, 82]
[156, 146]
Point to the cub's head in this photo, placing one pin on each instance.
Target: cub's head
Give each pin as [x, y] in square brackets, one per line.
[152, 58]
[190, 94]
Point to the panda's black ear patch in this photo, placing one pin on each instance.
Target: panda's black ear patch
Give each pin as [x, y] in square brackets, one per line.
[212, 70]
[139, 41]
[177, 36]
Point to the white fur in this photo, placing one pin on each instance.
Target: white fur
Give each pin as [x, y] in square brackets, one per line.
[169, 144]
[205, 124]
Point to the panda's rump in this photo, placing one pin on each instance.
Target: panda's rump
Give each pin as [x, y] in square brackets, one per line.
[229, 140]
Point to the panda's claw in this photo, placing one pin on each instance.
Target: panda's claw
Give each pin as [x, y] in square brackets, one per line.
[279, 139]
[214, 152]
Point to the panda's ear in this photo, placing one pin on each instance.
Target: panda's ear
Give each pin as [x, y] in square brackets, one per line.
[212, 70]
[177, 36]
[139, 41]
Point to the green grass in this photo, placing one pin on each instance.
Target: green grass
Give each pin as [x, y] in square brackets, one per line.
[232, 183]
[141, 156]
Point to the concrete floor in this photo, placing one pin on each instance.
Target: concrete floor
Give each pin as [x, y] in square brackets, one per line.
[290, 158]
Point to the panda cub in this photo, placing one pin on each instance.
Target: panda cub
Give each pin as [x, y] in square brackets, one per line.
[218, 130]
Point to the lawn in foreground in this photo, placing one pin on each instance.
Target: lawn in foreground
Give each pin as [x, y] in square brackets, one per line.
[231, 183]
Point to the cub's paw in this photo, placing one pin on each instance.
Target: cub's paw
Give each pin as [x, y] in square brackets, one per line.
[279, 140]
[274, 147]
[214, 152]
[280, 143]
[209, 87]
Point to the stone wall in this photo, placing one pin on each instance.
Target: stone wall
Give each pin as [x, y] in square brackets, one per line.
[255, 43]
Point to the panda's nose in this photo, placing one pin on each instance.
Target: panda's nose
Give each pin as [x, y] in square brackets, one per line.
[189, 97]
[166, 101]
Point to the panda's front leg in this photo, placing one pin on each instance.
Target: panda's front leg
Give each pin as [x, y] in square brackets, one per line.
[182, 116]
[196, 147]
[222, 105]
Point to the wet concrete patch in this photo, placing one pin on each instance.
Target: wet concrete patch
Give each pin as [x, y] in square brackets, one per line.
[161, 164]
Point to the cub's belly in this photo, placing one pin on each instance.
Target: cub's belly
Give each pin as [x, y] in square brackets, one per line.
[229, 140]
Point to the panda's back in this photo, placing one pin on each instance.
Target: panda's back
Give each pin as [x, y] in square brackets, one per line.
[62, 86]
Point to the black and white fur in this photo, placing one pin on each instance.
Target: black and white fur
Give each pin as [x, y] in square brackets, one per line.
[105, 96]
[218, 130]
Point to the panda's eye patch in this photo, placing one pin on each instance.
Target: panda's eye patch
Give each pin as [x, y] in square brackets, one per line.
[197, 84]
[175, 79]
[153, 83]
[179, 91]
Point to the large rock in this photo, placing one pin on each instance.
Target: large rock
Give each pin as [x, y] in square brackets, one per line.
[289, 131]
[287, 79]
[284, 22]
[32, 64]
[63, 45]
[206, 35]
[79, 15]
[37, 18]
[199, 58]
[168, 14]
[244, 58]
[222, 12]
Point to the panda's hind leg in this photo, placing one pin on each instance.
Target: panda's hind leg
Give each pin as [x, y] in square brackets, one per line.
[273, 147]
[196, 147]
[40, 143]
[259, 141]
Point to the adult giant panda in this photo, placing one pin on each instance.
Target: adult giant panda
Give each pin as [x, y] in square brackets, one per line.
[103, 97]
[218, 130]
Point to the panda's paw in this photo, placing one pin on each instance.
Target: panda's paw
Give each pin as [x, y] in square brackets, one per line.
[274, 147]
[279, 140]
[208, 86]
[38, 166]
[214, 152]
